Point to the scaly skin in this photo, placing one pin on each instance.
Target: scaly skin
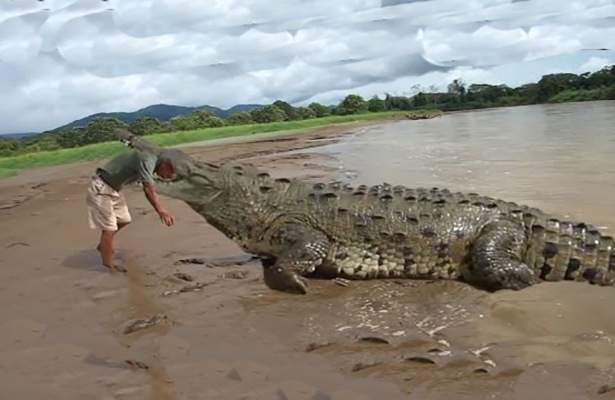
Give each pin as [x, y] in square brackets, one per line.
[334, 231]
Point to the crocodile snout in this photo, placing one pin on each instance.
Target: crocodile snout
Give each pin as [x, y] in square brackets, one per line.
[284, 280]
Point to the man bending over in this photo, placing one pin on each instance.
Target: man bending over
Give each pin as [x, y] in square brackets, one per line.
[107, 208]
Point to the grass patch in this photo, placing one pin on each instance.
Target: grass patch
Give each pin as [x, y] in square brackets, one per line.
[11, 165]
[6, 172]
[570, 95]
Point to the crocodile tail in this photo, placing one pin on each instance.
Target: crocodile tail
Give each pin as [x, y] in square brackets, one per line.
[596, 263]
[606, 256]
[566, 251]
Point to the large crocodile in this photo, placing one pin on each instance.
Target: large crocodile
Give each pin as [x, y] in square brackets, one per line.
[335, 231]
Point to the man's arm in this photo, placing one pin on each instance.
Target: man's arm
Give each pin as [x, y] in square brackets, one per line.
[154, 200]
[146, 168]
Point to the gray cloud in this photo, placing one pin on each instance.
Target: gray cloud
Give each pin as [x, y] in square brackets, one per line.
[64, 59]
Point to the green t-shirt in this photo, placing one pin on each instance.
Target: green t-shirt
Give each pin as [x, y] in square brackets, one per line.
[127, 168]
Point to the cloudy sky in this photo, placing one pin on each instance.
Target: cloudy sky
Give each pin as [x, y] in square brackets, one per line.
[61, 60]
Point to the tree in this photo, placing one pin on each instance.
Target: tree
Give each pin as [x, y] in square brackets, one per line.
[376, 104]
[458, 88]
[145, 126]
[352, 104]
[239, 118]
[182, 123]
[528, 93]
[319, 109]
[204, 119]
[9, 147]
[433, 94]
[196, 120]
[387, 101]
[289, 110]
[101, 130]
[71, 137]
[604, 77]
[35, 146]
[305, 113]
[552, 84]
[487, 93]
[416, 89]
[268, 114]
[419, 100]
[167, 126]
[397, 103]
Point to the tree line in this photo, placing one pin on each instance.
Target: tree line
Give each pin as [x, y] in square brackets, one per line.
[102, 129]
[552, 88]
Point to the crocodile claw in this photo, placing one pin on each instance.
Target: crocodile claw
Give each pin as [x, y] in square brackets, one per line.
[284, 280]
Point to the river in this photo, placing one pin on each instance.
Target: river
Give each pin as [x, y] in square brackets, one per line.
[559, 157]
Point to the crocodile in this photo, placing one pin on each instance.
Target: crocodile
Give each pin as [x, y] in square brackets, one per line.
[336, 231]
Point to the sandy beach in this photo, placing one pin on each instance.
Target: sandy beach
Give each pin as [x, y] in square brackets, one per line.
[220, 333]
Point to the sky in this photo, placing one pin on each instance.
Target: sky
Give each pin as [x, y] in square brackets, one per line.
[61, 60]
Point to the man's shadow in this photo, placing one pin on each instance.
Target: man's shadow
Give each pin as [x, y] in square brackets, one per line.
[89, 260]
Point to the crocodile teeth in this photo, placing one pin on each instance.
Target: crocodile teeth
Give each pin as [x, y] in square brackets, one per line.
[174, 179]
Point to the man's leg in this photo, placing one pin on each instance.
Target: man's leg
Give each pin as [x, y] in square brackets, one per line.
[122, 218]
[120, 225]
[101, 212]
[106, 248]
[120, 209]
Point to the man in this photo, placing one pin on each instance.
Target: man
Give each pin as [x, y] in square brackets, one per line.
[107, 208]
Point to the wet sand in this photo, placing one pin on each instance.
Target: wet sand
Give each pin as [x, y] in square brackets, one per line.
[63, 317]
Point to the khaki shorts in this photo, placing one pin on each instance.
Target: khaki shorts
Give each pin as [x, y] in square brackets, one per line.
[106, 207]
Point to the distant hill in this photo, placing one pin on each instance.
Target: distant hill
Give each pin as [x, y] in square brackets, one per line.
[163, 112]
[17, 135]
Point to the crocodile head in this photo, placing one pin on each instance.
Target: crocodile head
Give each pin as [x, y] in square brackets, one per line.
[195, 182]
[198, 183]
[284, 280]
[186, 179]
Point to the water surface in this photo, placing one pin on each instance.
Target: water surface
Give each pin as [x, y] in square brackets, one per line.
[558, 157]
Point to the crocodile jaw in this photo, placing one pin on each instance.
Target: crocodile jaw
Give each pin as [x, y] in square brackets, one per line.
[284, 280]
[179, 189]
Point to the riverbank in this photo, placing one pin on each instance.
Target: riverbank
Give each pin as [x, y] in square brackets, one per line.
[12, 165]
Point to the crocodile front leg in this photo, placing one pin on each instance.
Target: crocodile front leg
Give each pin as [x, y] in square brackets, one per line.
[299, 251]
[496, 257]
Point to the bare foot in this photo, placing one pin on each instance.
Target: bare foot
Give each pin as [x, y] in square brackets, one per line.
[119, 268]
[116, 268]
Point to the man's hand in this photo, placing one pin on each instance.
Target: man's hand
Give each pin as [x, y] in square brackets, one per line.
[152, 197]
[166, 218]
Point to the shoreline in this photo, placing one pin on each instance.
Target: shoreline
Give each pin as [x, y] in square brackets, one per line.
[31, 182]
[11, 166]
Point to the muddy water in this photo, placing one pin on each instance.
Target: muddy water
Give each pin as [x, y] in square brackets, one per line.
[444, 339]
[560, 157]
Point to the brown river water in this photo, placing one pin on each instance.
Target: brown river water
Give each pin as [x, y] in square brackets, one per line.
[62, 317]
